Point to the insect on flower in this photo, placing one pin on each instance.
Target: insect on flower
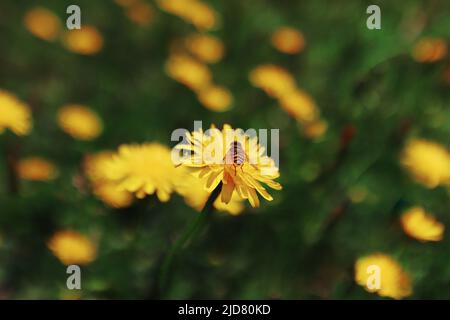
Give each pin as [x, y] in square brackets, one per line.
[216, 156]
[235, 155]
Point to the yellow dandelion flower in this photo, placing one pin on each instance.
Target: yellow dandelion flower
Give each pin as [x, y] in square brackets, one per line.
[232, 158]
[193, 191]
[207, 48]
[428, 162]
[394, 281]
[71, 247]
[274, 80]
[315, 129]
[95, 166]
[174, 7]
[216, 98]
[288, 40]
[420, 225]
[188, 71]
[300, 105]
[196, 12]
[36, 169]
[140, 13]
[279, 83]
[79, 122]
[234, 207]
[144, 170]
[96, 170]
[202, 16]
[42, 23]
[112, 195]
[87, 40]
[14, 114]
[430, 50]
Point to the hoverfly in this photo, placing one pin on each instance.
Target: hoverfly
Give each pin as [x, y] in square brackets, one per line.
[235, 155]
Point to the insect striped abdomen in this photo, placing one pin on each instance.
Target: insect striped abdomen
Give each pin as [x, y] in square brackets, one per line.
[235, 154]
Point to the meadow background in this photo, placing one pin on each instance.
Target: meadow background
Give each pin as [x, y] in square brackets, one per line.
[344, 187]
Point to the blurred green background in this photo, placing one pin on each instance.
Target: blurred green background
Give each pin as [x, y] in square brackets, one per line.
[302, 245]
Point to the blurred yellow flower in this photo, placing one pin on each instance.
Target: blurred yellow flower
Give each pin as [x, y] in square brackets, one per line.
[95, 166]
[420, 225]
[394, 281]
[430, 50]
[188, 71]
[144, 170]
[79, 122]
[71, 247]
[216, 98]
[87, 40]
[14, 114]
[274, 80]
[70, 295]
[278, 83]
[207, 48]
[36, 169]
[96, 170]
[288, 40]
[234, 207]
[196, 12]
[193, 191]
[212, 159]
[42, 23]
[202, 15]
[300, 105]
[428, 162]
[140, 13]
[315, 129]
[174, 7]
[112, 195]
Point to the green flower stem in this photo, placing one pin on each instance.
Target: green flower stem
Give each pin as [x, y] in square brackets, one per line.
[190, 231]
